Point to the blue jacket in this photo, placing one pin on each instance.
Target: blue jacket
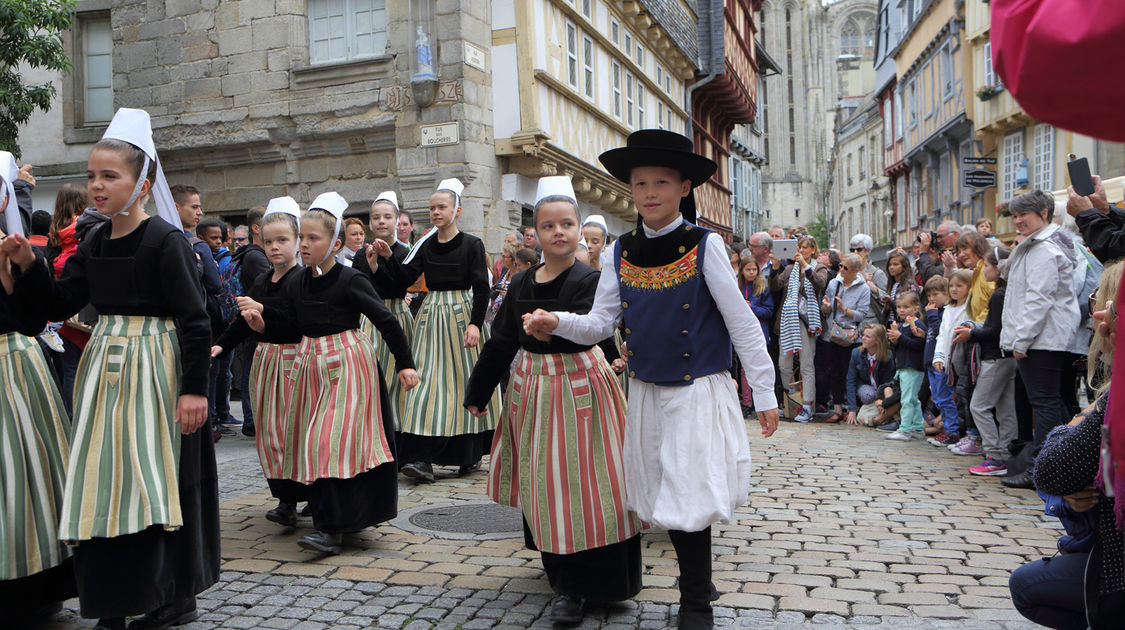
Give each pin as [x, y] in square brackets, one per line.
[858, 375]
[909, 350]
[762, 305]
[1079, 526]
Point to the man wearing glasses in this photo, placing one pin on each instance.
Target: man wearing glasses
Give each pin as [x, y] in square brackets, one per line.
[241, 237]
[861, 245]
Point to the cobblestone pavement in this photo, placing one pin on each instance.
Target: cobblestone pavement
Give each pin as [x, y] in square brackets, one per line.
[843, 529]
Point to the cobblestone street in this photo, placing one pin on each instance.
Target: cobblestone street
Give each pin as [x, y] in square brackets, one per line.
[843, 529]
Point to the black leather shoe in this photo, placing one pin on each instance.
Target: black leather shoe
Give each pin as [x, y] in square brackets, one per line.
[567, 610]
[321, 541]
[714, 592]
[174, 614]
[465, 470]
[420, 472]
[284, 514]
[696, 620]
[1024, 480]
[111, 623]
[248, 429]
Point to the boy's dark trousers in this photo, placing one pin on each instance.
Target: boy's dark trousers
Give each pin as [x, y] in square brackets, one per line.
[693, 551]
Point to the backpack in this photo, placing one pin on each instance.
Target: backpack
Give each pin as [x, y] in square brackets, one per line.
[230, 288]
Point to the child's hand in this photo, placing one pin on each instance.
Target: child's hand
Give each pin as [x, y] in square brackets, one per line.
[191, 412]
[618, 366]
[216, 351]
[893, 334]
[245, 304]
[409, 379]
[939, 366]
[476, 411]
[918, 332]
[472, 336]
[540, 324]
[930, 306]
[254, 320]
[18, 249]
[851, 418]
[961, 334]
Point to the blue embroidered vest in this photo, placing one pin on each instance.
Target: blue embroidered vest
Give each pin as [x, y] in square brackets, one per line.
[673, 328]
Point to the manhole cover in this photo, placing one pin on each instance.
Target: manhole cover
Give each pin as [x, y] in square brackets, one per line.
[470, 518]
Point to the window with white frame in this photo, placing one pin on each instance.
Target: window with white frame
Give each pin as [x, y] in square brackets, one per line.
[947, 71]
[628, 47]
[97, 69]
[571, 54]
[735, 180]
[1043, 148]
[629, 101]
[912, 99]
[900, 202]
[668, 82]
[917, 196]
[990, 77]
[616, 90]
[888, 120]
[899, 120]
[944, 193]
[659, 75]
[588, 66]
[615, 31]
[659, 114]
[639, 57]
[588, 8]
[345, 30]
[1010, 156]
[640, 105]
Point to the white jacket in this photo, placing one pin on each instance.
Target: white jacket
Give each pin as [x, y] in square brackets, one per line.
[950, 318]
[1040, 305]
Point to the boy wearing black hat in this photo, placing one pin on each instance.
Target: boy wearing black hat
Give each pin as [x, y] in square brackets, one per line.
[687, 459]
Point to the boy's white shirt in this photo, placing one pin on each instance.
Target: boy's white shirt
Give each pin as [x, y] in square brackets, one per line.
[742, 324]
[950, 318]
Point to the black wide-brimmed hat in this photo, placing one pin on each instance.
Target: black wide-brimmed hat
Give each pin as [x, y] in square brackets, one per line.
[656, 147]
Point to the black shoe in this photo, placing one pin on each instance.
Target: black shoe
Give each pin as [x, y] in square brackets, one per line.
[284, 514]
[174, 614]
[889, 427]
[306, 511]
[215, 435]
[1024, 480]
[111, 623]
[248, 429]
[420, 472]
[696, 620]
[567, 610]
[465, 470]
[222, 429]
[714, 592]
[321, 541]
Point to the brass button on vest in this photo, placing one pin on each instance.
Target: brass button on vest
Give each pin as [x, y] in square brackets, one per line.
[632, 375]
[687, 355]
[684, 331]
[686, 306]
[687, 377]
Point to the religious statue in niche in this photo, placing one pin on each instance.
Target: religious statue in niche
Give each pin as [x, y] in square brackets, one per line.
[424, 58]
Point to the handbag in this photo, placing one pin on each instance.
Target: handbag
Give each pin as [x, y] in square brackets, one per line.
[841, 334]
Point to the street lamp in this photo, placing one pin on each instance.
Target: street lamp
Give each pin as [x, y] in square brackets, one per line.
[423, 58]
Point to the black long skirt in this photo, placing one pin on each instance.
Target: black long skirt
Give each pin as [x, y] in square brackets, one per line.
[341, 506]
[138, 573]
[288, 491]
[603, 574]
[24, 600]
[456, 450]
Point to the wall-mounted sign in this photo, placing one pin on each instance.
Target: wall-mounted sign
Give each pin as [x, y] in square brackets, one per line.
[440, 134]
[979, 160]
[980, 178]
[475, 56]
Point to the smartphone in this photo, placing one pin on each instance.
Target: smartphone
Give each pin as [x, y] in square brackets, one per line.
[784, 249]
[1080, 177]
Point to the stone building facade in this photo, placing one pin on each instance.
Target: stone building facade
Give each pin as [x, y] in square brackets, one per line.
[825, 51]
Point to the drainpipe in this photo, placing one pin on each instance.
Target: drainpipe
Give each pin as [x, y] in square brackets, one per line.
[715, 55]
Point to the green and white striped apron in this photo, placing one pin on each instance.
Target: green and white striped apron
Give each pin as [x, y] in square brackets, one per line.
[434, 407]
[122, 476]
[33, 454]
[386, 359]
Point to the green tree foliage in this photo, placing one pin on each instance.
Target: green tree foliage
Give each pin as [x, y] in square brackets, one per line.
[819, 230]
[30, 37]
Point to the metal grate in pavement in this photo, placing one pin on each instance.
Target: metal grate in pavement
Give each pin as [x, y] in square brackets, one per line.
[470, 518]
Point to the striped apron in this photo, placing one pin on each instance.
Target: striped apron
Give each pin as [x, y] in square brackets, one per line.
[269, 397]
[125, 449]
[33, 454]
[434, 407]
[557, 454]
[335, 424]
[402, 314]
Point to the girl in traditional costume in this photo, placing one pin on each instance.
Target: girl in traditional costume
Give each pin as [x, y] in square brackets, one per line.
[140, 503]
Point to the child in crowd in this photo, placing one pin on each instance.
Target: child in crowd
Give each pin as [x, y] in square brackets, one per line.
[757, 294]
[908, 335]
[872, 364]
[273, 356]
[340, 417]
[564, 399]
[937, 297]
[993, 404]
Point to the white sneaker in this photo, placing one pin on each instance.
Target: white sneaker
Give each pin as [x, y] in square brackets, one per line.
[806, 415]
[901, 436]
[53, 340]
